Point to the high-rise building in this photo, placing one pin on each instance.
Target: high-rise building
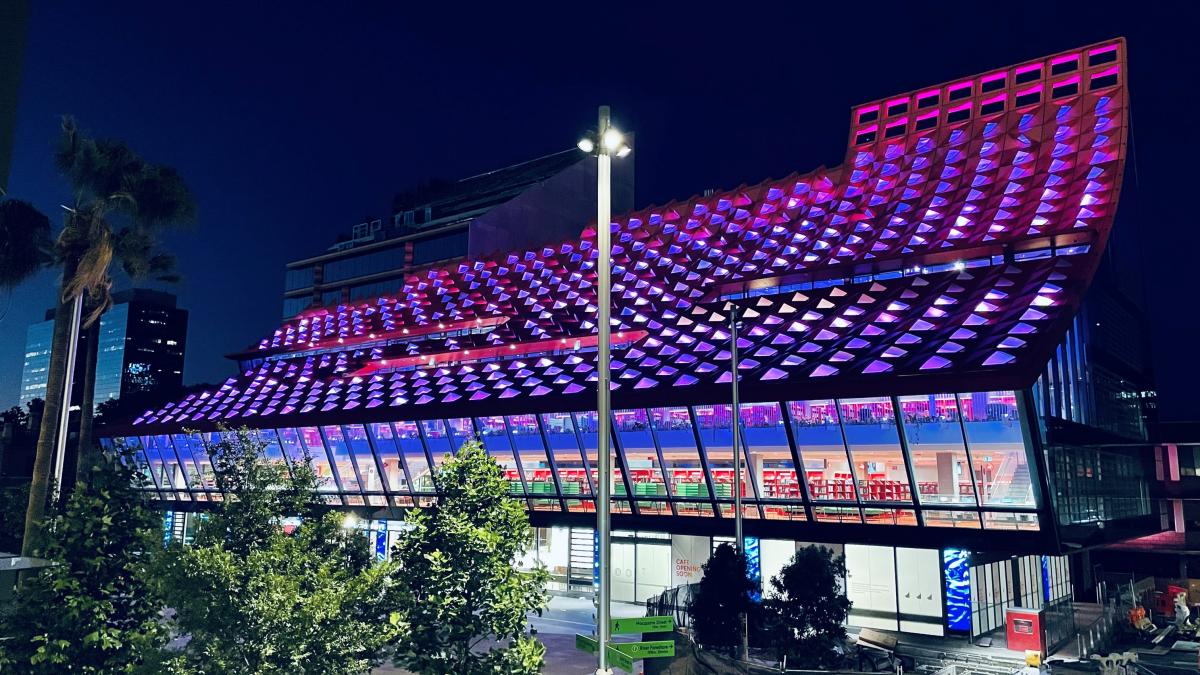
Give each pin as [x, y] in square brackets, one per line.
[897, 312]
[142, 339]
[514, 207]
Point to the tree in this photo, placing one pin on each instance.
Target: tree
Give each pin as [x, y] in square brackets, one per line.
[255, 599]
[464, 603]
[807, 615]
[93, 610]
[723, 594]
[121, 203]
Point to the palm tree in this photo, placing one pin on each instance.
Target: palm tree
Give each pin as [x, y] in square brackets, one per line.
[121, 203]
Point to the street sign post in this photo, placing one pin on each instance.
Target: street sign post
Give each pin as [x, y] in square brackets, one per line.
[619, 659]
[643, 624]
[651, 649]
[586, 643]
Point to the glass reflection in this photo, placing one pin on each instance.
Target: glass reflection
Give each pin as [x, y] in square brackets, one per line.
[714, 426]
[641, 458]
[408, 440]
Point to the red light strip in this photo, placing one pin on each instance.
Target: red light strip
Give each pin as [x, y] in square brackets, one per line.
[514, 349]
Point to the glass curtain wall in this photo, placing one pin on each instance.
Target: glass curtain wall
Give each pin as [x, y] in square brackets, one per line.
[961, 458]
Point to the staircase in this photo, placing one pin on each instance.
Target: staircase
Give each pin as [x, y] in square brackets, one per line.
[581, 559]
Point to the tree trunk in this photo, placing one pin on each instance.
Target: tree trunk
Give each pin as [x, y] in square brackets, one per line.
[84, 449]
[39, 487]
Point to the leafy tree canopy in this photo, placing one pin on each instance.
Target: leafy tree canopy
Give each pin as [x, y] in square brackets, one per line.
[722, 595]
[465, 604]
[808, 612]
[255, 599]
[94, 610]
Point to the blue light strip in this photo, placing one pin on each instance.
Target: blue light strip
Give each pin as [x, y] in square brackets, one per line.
[956, 569]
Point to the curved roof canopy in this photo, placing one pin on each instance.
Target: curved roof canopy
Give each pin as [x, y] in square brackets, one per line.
[948, 252]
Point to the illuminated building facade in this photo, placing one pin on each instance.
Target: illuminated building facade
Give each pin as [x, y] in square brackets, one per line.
[896, 313]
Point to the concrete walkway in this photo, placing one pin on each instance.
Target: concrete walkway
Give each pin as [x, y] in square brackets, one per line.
[566, 616]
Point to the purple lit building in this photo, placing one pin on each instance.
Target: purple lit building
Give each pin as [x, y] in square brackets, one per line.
[898, 310]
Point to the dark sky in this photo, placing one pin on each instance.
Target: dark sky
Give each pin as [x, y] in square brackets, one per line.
[291, 121]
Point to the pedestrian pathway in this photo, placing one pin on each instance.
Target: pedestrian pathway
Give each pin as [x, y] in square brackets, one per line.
[566, 616]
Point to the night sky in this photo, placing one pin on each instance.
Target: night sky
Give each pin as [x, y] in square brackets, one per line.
[293, 121]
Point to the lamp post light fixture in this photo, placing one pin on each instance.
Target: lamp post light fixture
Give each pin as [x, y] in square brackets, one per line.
[606, 142]
[735, 425]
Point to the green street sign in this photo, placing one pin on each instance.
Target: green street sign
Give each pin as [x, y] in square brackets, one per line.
[586, 643]
[619, 659]
[643, 624]
[651, 649]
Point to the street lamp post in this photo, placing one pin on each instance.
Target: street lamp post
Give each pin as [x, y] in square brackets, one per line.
[736, 425]
[607, 142]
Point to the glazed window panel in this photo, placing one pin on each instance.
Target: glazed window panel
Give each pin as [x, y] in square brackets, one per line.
[951, 518]
[342, 459]
[837, 514]
[384, 438]
[186, 452]
[1002, 520]
[572, 473]
[936, 449]
[874, 442]
[172, 469]
[715, 428]
[158, 472]
[461, 430]
[360, 448]
[494, 436]
[408, 439]
[306, 442]
[641, 456]
[818, 434]
[527, 440]
[879, 515]
[771, 456]
[997, 446]
[685, 473]
[587, 424]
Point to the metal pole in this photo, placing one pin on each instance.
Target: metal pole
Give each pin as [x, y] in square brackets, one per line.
[64, 416]
[604, 417]
[736, 424]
